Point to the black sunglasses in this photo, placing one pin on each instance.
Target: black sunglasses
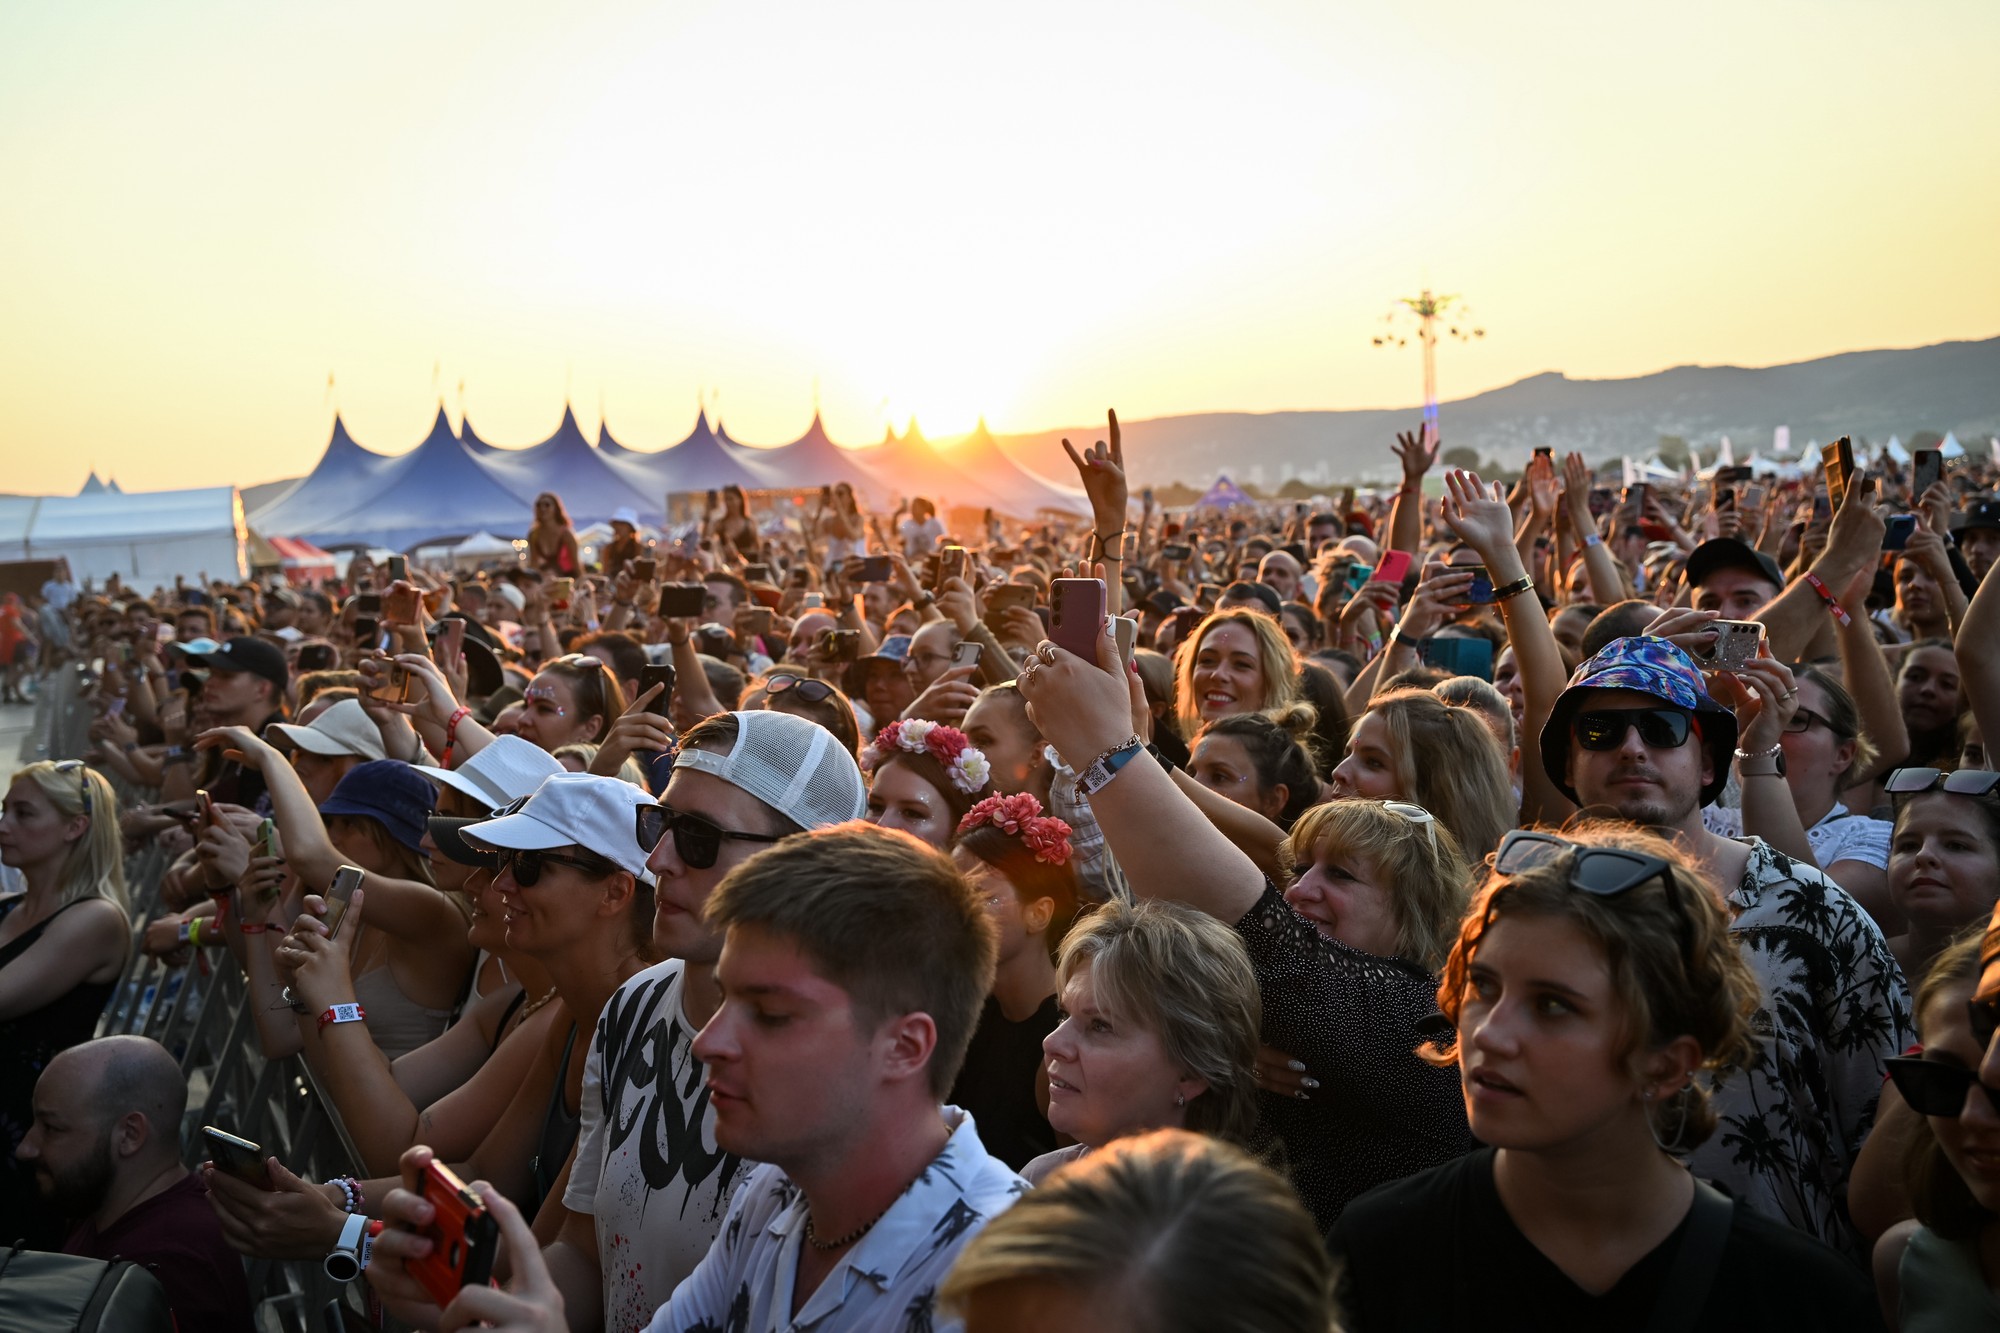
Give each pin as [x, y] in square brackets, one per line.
[1932, 1087]
[812, 691]
[1659, 728]
[697, 841]
[526, 866]
[1965, 782]
[1604, 872]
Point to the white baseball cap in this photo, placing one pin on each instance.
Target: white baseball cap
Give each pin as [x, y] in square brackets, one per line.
[790, 763]
[507, 769]
[629, 517]
[344, 728]
[574, 810]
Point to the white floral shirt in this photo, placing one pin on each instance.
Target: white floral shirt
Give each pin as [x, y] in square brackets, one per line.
[887, 1282]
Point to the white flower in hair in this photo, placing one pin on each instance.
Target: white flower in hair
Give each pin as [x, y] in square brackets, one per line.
[913, 733]
[970, 771]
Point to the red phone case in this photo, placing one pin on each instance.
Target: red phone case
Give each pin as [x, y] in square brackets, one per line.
[464, 1237]
[1076, 615]
[1395, 567]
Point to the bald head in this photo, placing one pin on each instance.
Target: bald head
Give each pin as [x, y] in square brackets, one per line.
[117, 1076]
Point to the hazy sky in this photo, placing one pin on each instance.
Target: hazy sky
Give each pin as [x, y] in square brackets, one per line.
[1029, 210]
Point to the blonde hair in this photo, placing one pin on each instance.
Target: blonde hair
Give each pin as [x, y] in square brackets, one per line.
[1275, 658]
[1186, 977]
[1674, 965]
[585, 752]
[1188, 1234]
[1431, 879]
[95, 865]
[1446, 760]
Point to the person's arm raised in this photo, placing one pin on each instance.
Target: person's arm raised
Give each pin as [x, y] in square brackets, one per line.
[1979, 659]
[1607, 579]
[1101, 469]
[1166, 847]
[1483, 521]
[1764, 698]
[1406, 520]
[1865, 671]
[1854, 543]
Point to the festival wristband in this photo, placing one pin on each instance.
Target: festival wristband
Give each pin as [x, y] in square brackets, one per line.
[342, 1013]
[1833, 605]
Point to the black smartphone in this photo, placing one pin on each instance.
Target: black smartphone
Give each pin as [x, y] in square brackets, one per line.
[1725, 500]
[1481, 591]
[368, 604]
[645, 570]
[876, 569]
[1076, 614]
[649, 676]
[1730, 476]
[966, 654]
[239, 1157]
[1897, 533]
[1927, 470]
[318, 657]
[756, 573]
[367, 629]
[399, 567]
[1176, 551]
[681, 600]
[839, 645]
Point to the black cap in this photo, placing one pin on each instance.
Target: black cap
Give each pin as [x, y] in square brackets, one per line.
[447, 836]
[1982, 513]
[1729, 553]
[245, 653]
[1243, 591]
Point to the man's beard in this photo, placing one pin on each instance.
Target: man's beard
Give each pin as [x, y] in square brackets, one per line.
[79, 1192]
[1665, 809]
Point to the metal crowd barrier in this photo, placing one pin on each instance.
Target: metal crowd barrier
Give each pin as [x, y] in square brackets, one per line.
[203, 1015]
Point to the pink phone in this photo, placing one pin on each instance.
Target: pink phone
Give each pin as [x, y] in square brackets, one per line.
[1076, 615]
[1394, 568]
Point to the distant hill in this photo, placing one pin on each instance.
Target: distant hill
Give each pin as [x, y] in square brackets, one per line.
[1947, 387]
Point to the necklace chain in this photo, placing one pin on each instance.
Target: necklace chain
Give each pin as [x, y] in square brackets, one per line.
[534, 1004]
[812, 1237]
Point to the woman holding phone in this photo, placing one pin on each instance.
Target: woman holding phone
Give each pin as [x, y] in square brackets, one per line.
[410, 957]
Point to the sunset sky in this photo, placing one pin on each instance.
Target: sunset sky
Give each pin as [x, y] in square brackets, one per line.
[1029, 210]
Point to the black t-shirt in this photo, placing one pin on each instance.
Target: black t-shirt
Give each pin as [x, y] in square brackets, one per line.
[1439, 1251]
[997, 1083]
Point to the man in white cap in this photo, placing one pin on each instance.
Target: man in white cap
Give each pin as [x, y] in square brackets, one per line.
[648, 1187]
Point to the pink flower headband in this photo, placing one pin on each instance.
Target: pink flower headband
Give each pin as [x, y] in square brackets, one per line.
[1020, 816]
[965, 766]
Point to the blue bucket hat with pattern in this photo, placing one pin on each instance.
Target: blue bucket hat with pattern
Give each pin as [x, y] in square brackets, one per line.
[1649, 665]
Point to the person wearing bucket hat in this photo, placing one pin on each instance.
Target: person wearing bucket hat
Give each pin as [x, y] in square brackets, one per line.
[742, 782]
[1638, 736]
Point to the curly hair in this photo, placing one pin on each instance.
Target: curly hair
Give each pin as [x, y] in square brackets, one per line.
[1675, 968]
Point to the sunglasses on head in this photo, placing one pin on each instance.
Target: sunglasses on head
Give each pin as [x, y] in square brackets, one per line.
[812, 691]
[82, 772]
[526, 866]
[697, 841]
[1659, 728]
[1415, 814]
[1932, 1087]
[1965, 782]
[1603, 872]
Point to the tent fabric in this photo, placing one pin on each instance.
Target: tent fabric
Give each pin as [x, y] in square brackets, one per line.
[568, 464]
[345, 475]
[92, 485]
[144, 537]
[1223, 494]
[811, 460]
[469, 437]
[992, 478]
[701, 462]
[906, 466]
[438, 490]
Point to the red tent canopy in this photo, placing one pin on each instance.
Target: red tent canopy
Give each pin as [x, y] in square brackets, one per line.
[301, 560]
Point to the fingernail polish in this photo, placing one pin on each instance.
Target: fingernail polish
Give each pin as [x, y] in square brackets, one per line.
[1310, 1081]
[1296, 1066]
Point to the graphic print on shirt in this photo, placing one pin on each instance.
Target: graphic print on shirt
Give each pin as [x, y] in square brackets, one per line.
[666, 1115]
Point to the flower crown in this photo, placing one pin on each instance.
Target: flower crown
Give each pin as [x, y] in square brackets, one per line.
[965, 766]
[1020, 816]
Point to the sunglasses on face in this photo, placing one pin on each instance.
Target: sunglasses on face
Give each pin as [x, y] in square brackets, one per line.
[697, 841]
[812, 691]
[1965, 782]
[526, 867]
[1659, 728]
[1932, 1087]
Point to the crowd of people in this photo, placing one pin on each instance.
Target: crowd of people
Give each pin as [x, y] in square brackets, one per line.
[1477, 902]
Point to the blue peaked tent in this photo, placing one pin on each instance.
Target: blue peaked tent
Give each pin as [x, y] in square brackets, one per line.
[345, 475]
[701, 462]
[437, 492]
[1223, 495]
[566, 463]
[811, 460]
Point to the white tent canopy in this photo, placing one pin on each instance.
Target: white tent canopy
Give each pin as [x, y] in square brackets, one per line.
[144, 537]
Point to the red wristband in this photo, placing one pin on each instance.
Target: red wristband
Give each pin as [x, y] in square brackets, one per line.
[1833, 605]
[451, 727]
[253, 927]
[342, 1013]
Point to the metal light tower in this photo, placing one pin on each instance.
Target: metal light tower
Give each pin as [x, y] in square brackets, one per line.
[1433, 317]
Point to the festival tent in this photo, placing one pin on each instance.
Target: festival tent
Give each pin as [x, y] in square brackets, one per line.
[906, 466]
[437, 490]
[992, 478]
[300, 560]
[92, 485]
[1223, 495]
[566, 463]
[469, 437]
[701, 462]
[143, 537]
[345, 475]
[811, 460]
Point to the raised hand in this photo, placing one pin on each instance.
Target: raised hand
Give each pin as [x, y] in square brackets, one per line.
[1416, 458]
[1102, 471]
[1479, 515]
[1541, 482]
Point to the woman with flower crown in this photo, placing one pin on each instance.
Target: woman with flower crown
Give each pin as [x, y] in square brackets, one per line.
[922, 778]
[1019, 862]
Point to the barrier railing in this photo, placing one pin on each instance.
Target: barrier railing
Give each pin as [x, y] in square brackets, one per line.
[202, 1014]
